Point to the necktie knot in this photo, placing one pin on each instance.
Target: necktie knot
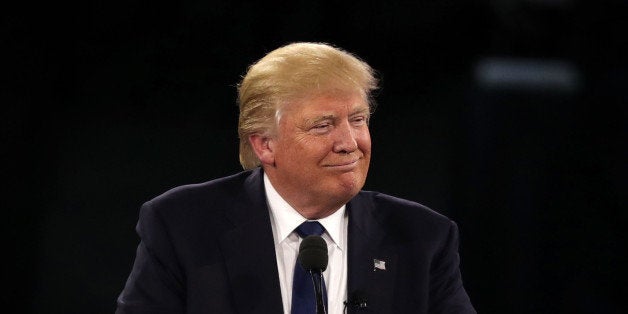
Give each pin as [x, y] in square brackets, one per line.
[310, 228]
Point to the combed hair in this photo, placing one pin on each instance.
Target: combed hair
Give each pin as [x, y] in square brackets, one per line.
[291, 72]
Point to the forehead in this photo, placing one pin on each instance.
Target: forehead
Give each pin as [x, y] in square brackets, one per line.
[328, 103]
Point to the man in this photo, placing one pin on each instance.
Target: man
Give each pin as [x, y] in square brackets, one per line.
[231, 245]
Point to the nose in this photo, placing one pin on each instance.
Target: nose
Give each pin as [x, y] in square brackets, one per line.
[345, 138]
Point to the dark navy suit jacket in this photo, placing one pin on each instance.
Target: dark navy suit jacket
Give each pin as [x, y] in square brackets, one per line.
[208, 248]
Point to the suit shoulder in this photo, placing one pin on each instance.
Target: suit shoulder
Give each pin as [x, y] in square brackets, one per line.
[199, 194]
[202, 190]
[400, 206]
[400, 215]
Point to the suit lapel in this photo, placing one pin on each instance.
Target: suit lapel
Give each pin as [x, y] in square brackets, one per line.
[371, 263]
[249, 252]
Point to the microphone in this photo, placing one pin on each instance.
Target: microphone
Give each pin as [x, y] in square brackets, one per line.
[313, 258]
[357, 300]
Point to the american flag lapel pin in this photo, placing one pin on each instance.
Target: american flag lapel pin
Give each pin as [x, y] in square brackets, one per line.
[379, 265]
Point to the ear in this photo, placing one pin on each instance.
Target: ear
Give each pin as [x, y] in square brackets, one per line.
[262, 145]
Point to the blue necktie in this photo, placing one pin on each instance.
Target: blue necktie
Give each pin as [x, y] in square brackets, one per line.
[303, 295]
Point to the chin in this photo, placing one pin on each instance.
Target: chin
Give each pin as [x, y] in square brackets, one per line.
[351, 187]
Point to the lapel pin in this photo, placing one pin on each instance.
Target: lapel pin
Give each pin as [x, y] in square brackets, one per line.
[379, 265]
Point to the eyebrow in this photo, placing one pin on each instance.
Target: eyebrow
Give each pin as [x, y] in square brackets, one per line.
[320, 118]
[360, 110]
[312, 121]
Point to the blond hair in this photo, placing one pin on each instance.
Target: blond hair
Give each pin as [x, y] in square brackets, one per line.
[290, 72]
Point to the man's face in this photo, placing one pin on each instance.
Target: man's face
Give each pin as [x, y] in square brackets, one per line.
[322, 149]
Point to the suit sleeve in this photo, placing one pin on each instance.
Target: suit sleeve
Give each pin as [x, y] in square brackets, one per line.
[156, 283]
[447, 294]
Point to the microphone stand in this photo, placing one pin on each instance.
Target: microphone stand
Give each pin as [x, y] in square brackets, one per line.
[317, 280]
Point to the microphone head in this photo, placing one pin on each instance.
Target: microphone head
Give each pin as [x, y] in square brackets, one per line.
[313, 253]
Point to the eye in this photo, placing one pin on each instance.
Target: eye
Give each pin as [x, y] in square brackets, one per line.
[359, 120]
[321, 127]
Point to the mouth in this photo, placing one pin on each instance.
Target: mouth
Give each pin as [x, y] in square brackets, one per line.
[345, 165]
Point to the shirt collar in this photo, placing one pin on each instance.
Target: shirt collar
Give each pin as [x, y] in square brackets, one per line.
[287, 219]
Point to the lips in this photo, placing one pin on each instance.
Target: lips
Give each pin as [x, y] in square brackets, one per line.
[343, 164]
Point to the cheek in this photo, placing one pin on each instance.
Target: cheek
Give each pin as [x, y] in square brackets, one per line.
[364, 141]
[316, 145]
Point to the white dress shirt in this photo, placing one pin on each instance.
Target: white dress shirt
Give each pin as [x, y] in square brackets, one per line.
[284, 219]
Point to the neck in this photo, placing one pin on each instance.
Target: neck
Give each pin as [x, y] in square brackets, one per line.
[310, 206]
[315, 213]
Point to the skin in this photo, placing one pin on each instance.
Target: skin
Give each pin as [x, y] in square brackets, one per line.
[319, 156]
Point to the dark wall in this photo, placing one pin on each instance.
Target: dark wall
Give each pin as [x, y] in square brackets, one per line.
[105, 105]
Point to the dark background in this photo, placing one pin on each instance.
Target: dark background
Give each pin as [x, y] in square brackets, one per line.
[106, 104]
